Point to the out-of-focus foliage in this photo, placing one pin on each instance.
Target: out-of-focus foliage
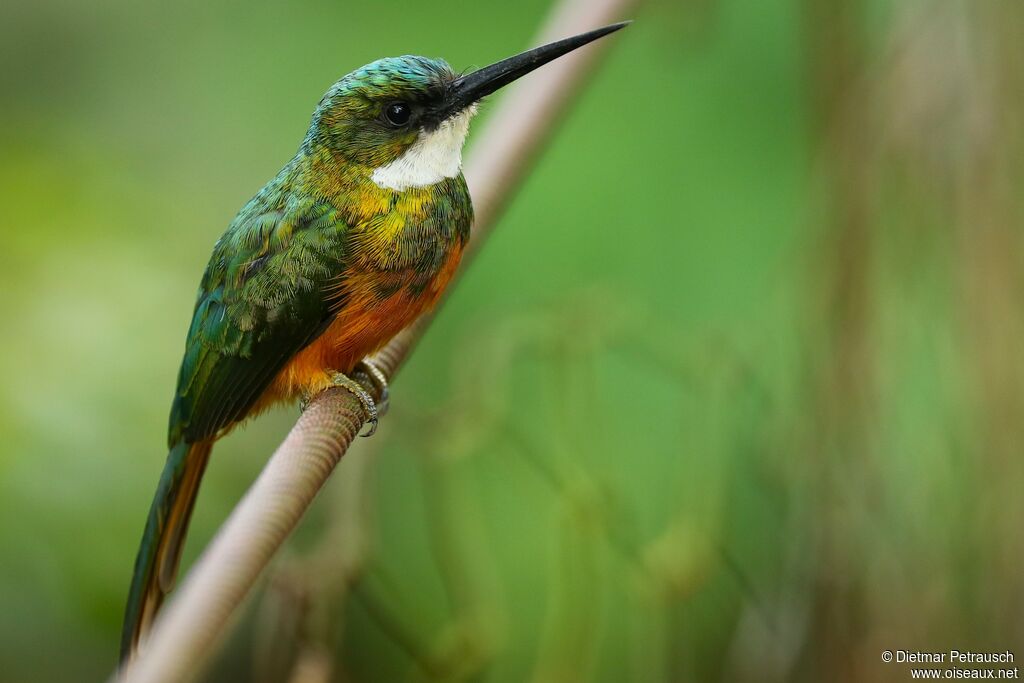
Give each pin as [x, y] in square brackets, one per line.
[735, 392]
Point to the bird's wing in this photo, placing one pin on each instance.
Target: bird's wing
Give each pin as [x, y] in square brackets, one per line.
[262, 299]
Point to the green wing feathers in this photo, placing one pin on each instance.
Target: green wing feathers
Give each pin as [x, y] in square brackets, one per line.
[260, 302]
[163, 539]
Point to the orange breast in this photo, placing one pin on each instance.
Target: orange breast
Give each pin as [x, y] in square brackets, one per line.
[361, 326]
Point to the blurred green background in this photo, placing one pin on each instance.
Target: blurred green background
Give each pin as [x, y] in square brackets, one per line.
[733, 394]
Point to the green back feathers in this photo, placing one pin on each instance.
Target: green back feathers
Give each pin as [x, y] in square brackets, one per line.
[259, 303]
[275, 280]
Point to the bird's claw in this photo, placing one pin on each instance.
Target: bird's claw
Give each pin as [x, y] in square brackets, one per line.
[369, 405]
[380, 381]
[373, 409]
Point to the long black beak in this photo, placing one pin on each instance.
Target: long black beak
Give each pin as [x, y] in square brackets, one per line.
[482, 82]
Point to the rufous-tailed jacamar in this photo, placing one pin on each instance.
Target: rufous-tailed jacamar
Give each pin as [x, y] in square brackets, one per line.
[354, 239]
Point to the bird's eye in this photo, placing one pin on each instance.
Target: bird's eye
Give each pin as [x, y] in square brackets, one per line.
[398, 113]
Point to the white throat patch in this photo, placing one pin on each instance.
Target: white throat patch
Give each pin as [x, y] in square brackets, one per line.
[432, 158]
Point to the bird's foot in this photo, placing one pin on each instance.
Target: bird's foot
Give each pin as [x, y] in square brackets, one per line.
[340, 379]
[374, 409]
[380, 381]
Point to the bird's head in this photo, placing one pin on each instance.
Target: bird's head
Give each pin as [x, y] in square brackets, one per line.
[406, 118]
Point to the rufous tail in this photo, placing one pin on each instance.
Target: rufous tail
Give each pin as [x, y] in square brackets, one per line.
[160, 551]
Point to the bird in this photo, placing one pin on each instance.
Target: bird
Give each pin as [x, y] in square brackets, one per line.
[356, 237]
